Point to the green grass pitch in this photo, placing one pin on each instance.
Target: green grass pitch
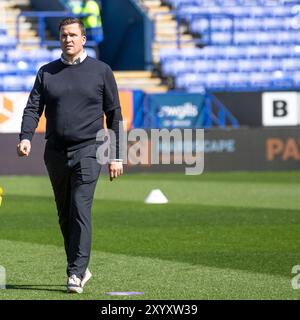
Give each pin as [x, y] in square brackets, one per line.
[221, 236]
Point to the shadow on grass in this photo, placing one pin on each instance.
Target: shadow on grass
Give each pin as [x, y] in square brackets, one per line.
[36, 287]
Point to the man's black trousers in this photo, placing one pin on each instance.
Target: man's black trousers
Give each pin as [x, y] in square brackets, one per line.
[74, 175]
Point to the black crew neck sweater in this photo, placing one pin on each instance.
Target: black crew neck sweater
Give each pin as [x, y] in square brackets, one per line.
[75, 98]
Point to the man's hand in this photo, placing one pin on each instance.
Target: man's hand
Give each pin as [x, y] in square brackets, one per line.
[115, 169]
[23, 148]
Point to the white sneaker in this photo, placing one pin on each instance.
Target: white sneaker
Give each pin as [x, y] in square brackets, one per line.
[87, 276]
[74, 284]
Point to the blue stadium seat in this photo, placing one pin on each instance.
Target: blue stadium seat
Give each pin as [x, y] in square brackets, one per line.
[2, 55]
[7, 42]
[13, 83]
[225, 65]
[291, 64]
[211, 52]
[215, 80]
[257, 51]
[29, 56]
[3, 30]
[296, 78]
[175, 67]
[261, 79]
[238, 80]
[247, 65]
[204, 66]
[257, 45]
[55, 53]
[6, 68]
[29, 81]
[188, 79]
[168, 53]
[279, 51]
[16, 83]
[270, 64]
[91, 52]
[222, 38]
[235, 52]
[282, 79]
[196, 89]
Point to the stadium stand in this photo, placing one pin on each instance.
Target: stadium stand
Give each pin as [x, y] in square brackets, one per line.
[165, 28]
[202, 45]
[21, 58]
[236, 45]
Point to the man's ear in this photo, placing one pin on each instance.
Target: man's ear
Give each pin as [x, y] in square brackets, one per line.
[83, 40]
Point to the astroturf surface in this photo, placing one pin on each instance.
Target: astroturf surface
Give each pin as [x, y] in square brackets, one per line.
[221, 236]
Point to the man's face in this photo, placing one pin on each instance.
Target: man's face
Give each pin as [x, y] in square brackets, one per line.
[71, 40]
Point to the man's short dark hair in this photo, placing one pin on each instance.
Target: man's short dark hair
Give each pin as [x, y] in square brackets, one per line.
[69, 20]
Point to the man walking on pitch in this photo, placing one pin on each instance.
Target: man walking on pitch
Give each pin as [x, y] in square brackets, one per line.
[75, 91]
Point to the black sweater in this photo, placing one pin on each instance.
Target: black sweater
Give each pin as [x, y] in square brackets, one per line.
[75, 98]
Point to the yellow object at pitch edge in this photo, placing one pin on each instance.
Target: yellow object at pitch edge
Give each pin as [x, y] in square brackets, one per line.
[1, 192]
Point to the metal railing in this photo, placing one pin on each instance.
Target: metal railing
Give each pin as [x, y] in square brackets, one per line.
[180, 17]
[215, 113]
[41, 16]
